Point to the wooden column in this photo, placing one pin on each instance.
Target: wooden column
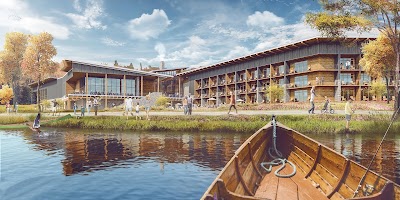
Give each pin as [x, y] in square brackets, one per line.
[105, 91]
[86, 88]
[270, 82]
[141, 86]
[158, 84]
[179, 85]
[124, 86]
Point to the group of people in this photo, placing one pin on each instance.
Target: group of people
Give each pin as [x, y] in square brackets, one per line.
[187, 103]
[89, 104]
[9, 108]
[129, 108]
[348, 111]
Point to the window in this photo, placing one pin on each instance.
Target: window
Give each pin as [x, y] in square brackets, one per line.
[301, 81]
[346, 63]
[365, 78]
[43, 94]
[130, 87]
[113, 86]
[281, 82]
[266, 72]
[301, 66]
[346, 78]
[96, 85]
[281, 69]
[300, 95]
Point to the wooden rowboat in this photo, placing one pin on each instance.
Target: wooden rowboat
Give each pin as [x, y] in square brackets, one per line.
[320, 172]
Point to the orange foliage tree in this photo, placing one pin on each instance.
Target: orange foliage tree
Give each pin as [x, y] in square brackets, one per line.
[37, 63]
[6, 94]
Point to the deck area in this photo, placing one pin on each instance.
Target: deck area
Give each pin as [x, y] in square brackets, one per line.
[296, 187]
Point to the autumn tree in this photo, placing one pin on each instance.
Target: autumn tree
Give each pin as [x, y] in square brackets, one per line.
[274, 92]
[11, 59]
[340, 16]
[379, 59]
[130, 66]
[37, 63]
[6, 94]
[377, 88]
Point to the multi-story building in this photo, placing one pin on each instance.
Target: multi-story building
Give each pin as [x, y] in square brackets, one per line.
[332, 66]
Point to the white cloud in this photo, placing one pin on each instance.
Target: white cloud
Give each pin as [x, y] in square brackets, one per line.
[148, 26]
[236, 52]
[19, 17]
[110, 42]
[265, 19]
[89, 18]
[77, 6]
[160, 48]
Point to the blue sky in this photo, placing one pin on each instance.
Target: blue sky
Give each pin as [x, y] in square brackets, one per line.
[182, 33]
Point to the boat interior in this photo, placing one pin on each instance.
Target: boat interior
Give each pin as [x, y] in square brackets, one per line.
[321, 173]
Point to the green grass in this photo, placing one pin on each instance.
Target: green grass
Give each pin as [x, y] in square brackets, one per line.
[316, 124]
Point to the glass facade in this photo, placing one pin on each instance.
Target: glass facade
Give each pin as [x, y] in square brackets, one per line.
[301, 81]
[300, 95]
[346, 78]
[281, 69]
[96, 85]
[346, 63]
[365, 78]
[113, 86]
[301, 66]
[130, 87]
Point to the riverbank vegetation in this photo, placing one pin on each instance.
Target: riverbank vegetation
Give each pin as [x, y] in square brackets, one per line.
[315, 124]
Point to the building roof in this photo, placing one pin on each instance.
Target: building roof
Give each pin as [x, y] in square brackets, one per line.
[46, 80]
[273, 51]
[67, 65]
[169, 69]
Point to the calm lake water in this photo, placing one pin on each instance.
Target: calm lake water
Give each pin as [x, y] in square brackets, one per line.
[72, 164]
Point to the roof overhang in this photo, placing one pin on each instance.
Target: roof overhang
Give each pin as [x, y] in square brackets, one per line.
[47, 80]
[67, 66]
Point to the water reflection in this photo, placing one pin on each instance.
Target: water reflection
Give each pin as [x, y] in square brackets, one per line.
[362, 147]
[87, 152]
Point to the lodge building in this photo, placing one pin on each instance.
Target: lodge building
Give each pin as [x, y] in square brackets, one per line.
[332, 66]
[111, 84]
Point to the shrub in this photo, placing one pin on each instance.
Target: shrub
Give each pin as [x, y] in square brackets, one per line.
[161, 101]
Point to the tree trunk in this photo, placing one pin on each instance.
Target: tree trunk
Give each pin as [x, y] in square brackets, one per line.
[37, 96]
[387, 90]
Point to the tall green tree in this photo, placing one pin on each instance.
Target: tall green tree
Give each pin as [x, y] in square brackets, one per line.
[37, 63]
[379, 59]
[116, 63]
[11, 59]
[340, 16]
[274, 92]
[377, 89]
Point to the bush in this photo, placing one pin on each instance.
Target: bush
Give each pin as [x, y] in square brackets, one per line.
[161, 101]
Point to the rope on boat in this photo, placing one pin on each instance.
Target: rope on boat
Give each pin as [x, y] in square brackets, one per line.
[277, 158]
[376, 152]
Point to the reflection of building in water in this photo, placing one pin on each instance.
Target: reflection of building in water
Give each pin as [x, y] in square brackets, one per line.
[86, 152]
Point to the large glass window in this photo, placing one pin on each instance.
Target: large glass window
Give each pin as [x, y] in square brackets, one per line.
[300, 95]
[96, 85]
[266, 72]
[301, 66]
[130, 87]
[346, 79]
[281, 69]
[301, 81]
[365, 78]
[114, 86]
[281, 82]
[346, 63]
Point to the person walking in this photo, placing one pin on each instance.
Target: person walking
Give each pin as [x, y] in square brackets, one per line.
[8, 108]
[147, 107]
[16, 107]
[311, 110]
[95, 106]
[232, 103]
[82, 111]
[137, 109]
[75, 107]
[88, 105]
[128, 107]
[190, 104]
[54, 109]
[348, 111]
[185, 105]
